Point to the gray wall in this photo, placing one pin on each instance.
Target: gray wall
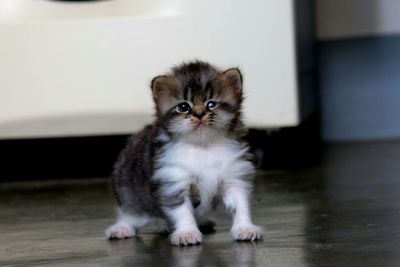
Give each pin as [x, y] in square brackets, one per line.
[360, 89]
[356, 18]
[359, 67]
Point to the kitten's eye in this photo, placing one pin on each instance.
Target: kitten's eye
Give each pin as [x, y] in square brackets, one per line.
[211, 105]
[183, 107]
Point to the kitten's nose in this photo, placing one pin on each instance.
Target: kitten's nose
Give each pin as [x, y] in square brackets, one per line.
[199, 116]
[198, 111]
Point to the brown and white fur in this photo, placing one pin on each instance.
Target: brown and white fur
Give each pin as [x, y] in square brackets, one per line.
[194, 145]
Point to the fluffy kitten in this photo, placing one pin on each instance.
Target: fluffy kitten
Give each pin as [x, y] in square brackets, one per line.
[194, 147]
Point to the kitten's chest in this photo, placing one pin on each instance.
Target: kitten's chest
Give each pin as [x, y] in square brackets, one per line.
[204, 162]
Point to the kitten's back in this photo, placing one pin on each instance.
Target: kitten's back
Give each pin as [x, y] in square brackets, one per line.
[134, 190]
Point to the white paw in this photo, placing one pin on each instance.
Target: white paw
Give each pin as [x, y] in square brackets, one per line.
[186, 237]
[248, 232]
[120, 230]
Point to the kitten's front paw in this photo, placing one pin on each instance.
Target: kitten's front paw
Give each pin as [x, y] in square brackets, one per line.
[186, 237]
[249, 232]
[120, 230]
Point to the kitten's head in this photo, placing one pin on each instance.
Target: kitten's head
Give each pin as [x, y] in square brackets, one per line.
[199, 101]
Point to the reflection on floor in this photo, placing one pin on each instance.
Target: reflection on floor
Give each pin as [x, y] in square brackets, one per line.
[344, 212]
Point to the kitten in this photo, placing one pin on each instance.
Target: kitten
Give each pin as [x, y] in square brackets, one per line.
[193, 148]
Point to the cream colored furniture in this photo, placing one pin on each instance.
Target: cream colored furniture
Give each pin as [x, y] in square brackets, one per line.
[73, 69]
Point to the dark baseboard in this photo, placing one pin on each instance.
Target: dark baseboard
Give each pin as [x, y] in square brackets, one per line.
[287, 148]
[83, 157]
[53, 158]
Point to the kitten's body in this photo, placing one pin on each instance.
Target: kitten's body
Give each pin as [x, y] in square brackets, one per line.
[199, 149]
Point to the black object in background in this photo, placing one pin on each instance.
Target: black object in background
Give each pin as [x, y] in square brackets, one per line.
[85, 157]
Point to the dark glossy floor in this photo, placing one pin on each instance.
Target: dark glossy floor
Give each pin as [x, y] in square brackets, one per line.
[344, 212]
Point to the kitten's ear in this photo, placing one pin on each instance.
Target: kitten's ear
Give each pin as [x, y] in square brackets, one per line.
[158, 85]
[233, 79]
[162, 85]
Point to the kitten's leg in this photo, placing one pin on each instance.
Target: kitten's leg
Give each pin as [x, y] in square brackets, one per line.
[186, 231]
[126, 225]
[175, 201]
[236, 199]
[204, 200]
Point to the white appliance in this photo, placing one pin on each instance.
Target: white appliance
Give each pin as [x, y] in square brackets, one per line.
[84, 68]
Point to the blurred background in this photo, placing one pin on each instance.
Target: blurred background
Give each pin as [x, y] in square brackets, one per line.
[323, 91]
[75, 75]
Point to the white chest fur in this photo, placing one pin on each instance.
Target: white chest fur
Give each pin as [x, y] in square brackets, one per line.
[182, 164]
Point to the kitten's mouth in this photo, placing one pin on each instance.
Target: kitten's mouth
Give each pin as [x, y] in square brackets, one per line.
[200, 123]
